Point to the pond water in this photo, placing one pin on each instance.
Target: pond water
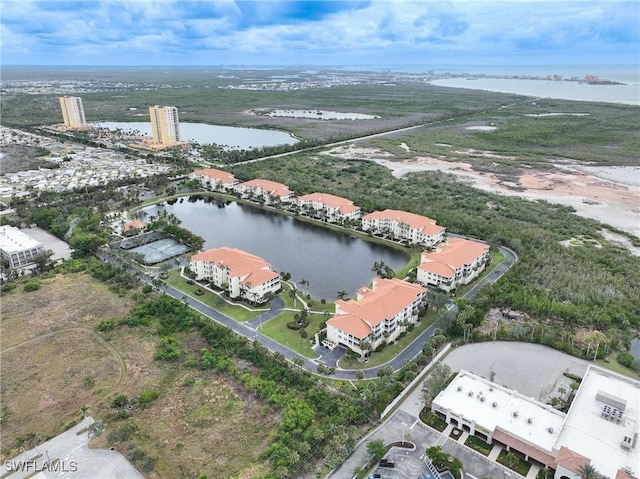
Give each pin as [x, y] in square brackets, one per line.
[330, 261]
[228, 136]
[315, 114]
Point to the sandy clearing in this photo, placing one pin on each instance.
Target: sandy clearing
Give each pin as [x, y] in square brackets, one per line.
[608, 200]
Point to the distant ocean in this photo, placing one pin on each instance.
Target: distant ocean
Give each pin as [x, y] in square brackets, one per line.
[628, 93]
[628, 74]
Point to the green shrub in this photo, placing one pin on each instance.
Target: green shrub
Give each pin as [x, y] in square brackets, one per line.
[303, 333]
[8, 286]
[31, 286]
[147, 289]
[148, 397]
[625, 358]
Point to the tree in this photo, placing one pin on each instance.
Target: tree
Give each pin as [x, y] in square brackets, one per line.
[376, 449]
[84, 409]
[42, 261]
[342, 295]
[32, 439]
[438, 457]
[587, 471]
[304, 283]
[436, 382]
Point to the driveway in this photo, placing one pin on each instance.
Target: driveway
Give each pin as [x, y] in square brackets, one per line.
[75, 459]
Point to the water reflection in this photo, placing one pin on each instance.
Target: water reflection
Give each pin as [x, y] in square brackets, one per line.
[330, 261]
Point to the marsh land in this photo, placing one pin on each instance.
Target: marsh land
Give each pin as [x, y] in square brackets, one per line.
[554, 180]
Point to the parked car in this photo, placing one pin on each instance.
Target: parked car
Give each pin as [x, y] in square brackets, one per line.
[387, 463]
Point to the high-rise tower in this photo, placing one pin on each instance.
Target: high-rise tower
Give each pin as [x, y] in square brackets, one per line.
[164, 125]
[73, 112]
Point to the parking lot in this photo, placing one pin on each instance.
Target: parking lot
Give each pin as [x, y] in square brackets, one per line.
[407, 463]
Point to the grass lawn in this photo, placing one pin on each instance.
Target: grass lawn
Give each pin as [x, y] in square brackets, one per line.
[612, 364]
[390, 352]
[277, 330]
[236, 312]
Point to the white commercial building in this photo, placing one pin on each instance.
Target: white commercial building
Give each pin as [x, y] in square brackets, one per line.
[18, 248]
[601, 428]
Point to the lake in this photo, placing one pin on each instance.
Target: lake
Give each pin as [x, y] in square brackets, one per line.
[329, 260]
[228, 136]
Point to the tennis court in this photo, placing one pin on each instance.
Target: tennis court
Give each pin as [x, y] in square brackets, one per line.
[160, 250]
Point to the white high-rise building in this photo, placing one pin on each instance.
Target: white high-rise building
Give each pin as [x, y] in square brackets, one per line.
[73, 112]
[165, 127]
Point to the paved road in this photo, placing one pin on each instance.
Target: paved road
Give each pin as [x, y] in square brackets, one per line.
[251, 329]
[70, 458]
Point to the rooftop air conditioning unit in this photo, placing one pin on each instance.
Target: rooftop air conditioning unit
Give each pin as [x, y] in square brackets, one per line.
[515, 413]
[495, 404]
[530, 420]
[470, 394]
[550, 430]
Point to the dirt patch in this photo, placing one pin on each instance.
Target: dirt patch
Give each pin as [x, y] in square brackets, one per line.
[611, 202]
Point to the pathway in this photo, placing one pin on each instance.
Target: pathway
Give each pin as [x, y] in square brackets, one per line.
[251, 329]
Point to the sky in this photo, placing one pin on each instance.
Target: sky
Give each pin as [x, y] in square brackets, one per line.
[330, 32]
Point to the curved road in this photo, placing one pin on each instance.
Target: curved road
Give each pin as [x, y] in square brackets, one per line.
[250, 329]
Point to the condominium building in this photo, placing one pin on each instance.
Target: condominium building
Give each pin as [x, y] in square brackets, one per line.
[455, 262]
[17, 248]
[377, 315]
[402, 225]
[241, 274]
[73, 113]
[331, 208]
[213, 179]
[265, 191]
[165, 127]
[600, 429]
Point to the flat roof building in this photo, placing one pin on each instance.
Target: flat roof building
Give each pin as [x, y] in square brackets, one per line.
[18, 248]
[600, 429]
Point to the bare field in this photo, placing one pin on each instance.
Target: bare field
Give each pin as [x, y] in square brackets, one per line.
[209, 423]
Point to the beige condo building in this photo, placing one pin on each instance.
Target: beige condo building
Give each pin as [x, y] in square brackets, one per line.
[73, 112]
[165, 127]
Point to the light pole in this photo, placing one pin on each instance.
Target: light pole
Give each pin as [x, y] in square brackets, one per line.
[404, 425]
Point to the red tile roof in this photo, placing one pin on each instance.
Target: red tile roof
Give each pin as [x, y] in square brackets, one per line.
[524, 447]
[328, 200]
[422, 223]
[240, 263]
[271, 187]
[351, 324]
[453, 253]
[218, 175]
[387, 298]
[571, 460]
[135, 224]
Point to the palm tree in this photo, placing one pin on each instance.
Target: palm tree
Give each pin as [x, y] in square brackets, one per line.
[83, 410]
[342, 294]
[588, 472]
[305, 283]
[32, 439]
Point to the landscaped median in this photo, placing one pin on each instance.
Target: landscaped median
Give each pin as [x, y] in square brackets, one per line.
[237, 312]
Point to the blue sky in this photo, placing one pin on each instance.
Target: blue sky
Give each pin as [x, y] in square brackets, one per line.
[377, 32]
